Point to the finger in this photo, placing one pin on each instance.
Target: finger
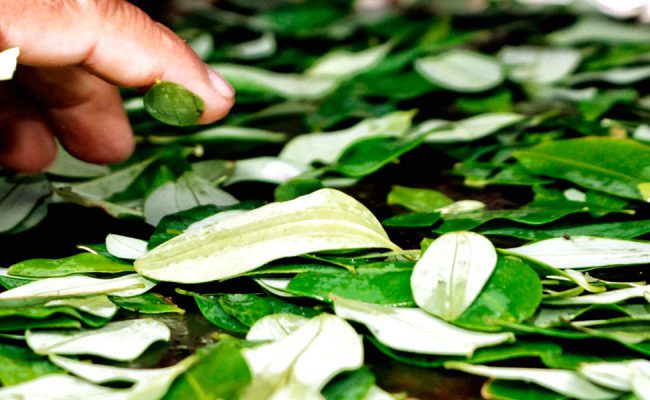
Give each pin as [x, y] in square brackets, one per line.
[114, 40]
[85, 112]
[26, 142]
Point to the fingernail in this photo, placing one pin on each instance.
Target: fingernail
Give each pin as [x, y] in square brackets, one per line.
[220, 84]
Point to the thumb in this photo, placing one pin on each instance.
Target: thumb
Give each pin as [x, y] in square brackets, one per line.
[115, 41]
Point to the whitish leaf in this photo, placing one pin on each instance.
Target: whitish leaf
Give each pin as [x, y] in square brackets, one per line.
[565, 382]
[100, 374]
[538, 65]
[327, 147]
[590, 30]
[247, 79]
[472, 128]
[324, 220]
[263, 169]
[213, 219]
[415, 331]
[609, 297]
[75, 286]
[461, 206]
[189, 191]
[18, 199]
[100, 306]
[452, 272]
[125, 247]
[262, 47]
[377, 393]
[57, 387]
[276, 286]
[299, 365]
[107, 185]
[68, 166]
[222, 134]
[461, 71]
[586, 251]
[345, 64]
[275, 326]
[8, 63]
[120, 341]
[619, 76]
[613, 375]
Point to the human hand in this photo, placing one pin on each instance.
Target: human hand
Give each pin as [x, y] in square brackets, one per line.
[74, 54]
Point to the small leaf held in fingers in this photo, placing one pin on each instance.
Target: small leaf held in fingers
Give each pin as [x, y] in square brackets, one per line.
[172, 104]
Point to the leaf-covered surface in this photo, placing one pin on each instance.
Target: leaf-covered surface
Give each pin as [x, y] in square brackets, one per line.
[520, 132]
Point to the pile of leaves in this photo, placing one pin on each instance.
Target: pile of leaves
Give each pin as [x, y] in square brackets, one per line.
[265, 226]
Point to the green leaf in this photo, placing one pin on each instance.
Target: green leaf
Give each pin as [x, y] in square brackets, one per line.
[82, 263]
[613, 230]
[568, 383]
[324, 220]
[412, 220]
[172, 104]
[18, 364]
[518, 390]
[413, 330]
[585, 251]
[352, 385]
[148, 303]
[294, 188]
[345, 64]
[417, 199]
[452, 272]
[613, 166]
[512, 293]
[249, 308]
[121, 341]
[220, 373]
[300, 364]
[213, 311]
[461, 71]
[380, 283]
[469, 129]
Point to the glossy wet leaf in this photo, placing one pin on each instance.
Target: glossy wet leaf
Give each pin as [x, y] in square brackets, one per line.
[78, 264]
[214, 312]
[374, 283]
[413, 330]
[220, 372]
[8, 63]
[586, 251]
[300, 364]
[452, 272]
[613, 166]
[121, 341]
[461, 71]
[249, 308]
[512, 293]
[324, 220]
[568, 383]
[538, 65]
[173, 104]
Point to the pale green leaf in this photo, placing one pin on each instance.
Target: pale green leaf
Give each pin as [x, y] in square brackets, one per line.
[81, 263]
[609, 297]
[461, 71]
[324, 220]
[100, 306]
[619, 76]
[299, 365]
[120, 341]
[452, 272]
[58, 387]
[8, 63]
[345, 64]
[586, 251]
[568, 383]
[125, 247]
[47, 289]
[415, 331]
[538, 65]
[68, 166]
[221, 134]
[189, 191]
[275, 326]
[246, 79]
[262, 47]
[18, 199]
[327, 147]
[601, 30]
[472, 128]
[263, 169]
